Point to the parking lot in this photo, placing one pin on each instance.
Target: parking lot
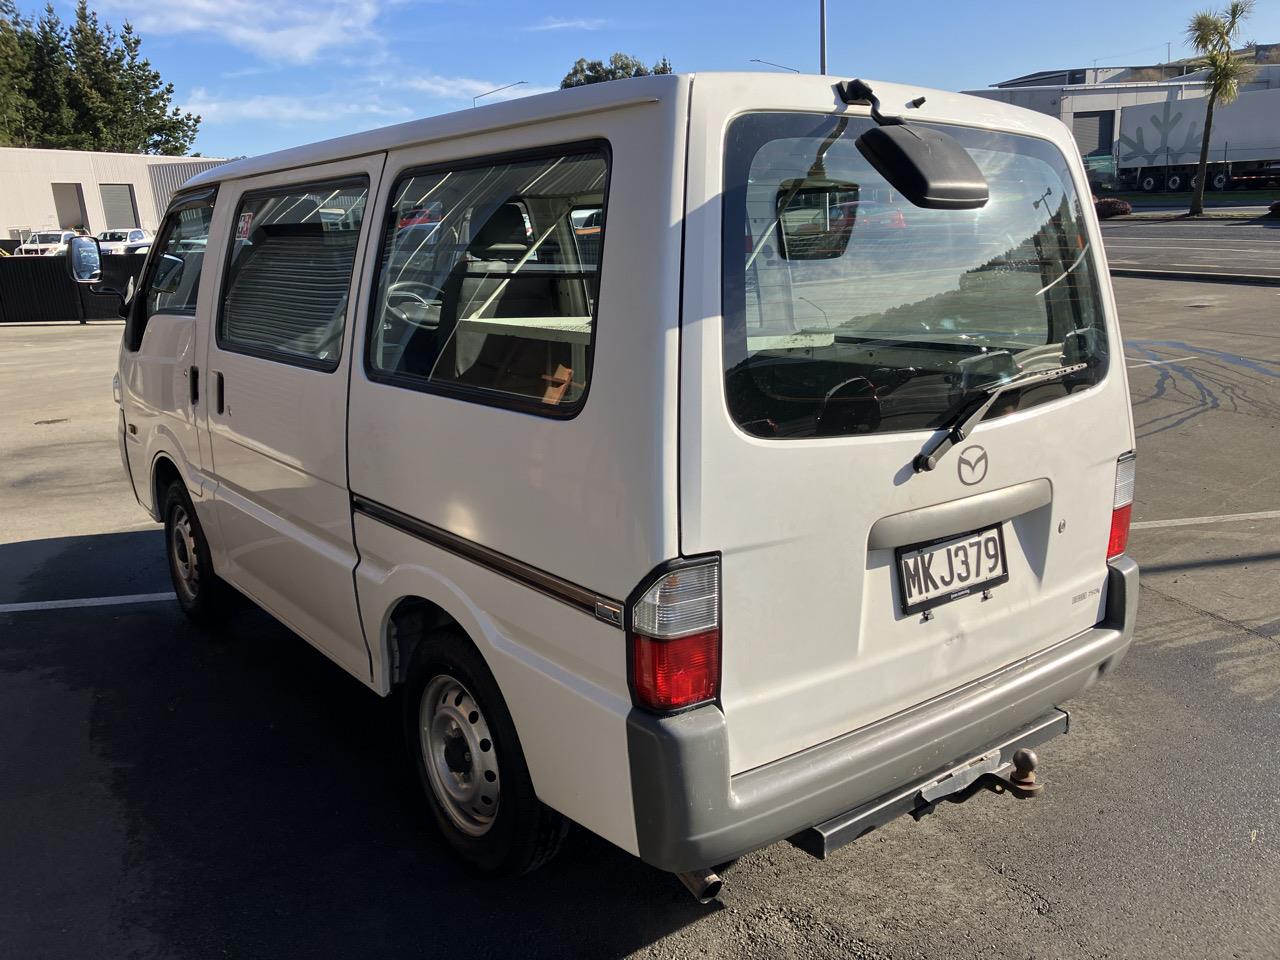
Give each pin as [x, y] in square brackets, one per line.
[1244, 246]
[172, 792]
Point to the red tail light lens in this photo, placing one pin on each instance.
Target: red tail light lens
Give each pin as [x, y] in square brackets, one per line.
[671, 674]
[1118, 542]
[1122, 505]
[675, 638]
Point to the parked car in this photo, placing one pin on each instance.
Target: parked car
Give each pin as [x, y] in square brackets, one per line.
[45, 243]
[694, 544]
[121, 241]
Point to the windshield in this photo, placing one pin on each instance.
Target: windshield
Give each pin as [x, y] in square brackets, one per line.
[113, 236]
[847, 310]
[46, 238]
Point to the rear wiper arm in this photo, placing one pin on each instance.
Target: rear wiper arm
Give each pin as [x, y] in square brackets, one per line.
[969, 416]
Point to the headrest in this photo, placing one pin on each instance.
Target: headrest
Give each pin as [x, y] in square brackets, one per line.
[502, 234]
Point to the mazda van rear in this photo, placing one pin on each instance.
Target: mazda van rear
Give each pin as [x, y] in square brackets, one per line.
[706, 460]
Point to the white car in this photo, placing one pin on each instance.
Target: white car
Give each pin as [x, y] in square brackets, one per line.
[721, 533]
[119, 241]
[45, 243]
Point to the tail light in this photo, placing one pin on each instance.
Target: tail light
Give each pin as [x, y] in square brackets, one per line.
[1122, 505]
[674, 639]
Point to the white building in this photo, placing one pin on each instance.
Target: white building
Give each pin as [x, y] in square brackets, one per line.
[1089, 100]
[49, 189]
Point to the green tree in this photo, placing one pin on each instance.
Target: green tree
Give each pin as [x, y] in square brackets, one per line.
[620, 67]
[1212, 33]
[13, 74]
[87, 88]
[50, 120]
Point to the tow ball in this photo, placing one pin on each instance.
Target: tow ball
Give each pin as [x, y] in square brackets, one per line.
[1017, 778]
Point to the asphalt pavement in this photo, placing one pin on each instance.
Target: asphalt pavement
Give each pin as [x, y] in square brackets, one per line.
[167, 791]
[1215, 247]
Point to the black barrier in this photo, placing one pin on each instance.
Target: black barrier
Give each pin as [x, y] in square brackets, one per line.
[38, 289]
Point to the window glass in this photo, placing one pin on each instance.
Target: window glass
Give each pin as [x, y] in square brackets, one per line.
[287, 282]
[174, 277]
[848, 310]
[489, 279]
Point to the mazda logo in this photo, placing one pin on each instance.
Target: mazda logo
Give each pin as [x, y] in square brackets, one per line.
[972, 466]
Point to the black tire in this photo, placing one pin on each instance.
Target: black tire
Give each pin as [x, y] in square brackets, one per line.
[1149, 183]
[1220, 181]
[1174, 183]
[201, 593]
[522, 833]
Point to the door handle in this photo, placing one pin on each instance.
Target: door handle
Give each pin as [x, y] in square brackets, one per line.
[193, 384]
[218, 390]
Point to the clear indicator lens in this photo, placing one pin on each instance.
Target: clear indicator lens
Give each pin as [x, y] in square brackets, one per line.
[681, 603]
[1126, 471]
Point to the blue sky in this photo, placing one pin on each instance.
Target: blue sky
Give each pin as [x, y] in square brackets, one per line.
[267, 74]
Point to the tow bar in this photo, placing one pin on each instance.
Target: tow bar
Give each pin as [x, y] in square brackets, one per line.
[1008, 766]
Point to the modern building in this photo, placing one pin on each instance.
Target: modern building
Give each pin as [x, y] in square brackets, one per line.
[1089, 99]
[51, 189]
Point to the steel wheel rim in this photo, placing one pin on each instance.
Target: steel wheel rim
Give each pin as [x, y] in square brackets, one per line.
[183, 554]
[459, 755]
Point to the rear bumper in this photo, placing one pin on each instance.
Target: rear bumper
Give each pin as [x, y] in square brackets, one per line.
[690, 813]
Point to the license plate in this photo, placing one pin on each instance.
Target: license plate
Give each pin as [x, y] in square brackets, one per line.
[940, 571]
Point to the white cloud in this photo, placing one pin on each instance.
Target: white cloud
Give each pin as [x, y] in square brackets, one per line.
[570, 23]
[278, 31]
[286, 109]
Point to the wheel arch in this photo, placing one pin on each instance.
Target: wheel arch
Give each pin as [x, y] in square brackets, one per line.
[409, 621]
[164, 471]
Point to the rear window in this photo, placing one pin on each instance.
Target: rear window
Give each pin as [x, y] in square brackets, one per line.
[849, 311]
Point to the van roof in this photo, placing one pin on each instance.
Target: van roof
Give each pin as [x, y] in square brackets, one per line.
[600, 97]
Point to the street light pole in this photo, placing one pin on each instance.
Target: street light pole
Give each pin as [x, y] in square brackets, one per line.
[496, 90]
[822, 36]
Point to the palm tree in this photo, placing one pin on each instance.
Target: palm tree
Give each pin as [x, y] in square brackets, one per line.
[1212, 34]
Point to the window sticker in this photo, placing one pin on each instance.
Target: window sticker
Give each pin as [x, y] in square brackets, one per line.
[245, 226]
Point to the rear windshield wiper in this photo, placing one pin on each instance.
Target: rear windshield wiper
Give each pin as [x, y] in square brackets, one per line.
[970, 415]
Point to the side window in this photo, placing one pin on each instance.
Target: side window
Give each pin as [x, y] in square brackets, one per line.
[289, 272]
[488, 280]
[173, 273]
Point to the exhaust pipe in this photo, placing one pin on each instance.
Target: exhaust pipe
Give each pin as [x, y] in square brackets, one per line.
[703, 884]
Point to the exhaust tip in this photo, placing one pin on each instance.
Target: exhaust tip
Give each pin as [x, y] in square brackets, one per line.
[705, 885]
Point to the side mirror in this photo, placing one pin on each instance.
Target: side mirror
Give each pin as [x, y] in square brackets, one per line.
[928, 167]
[84, 259]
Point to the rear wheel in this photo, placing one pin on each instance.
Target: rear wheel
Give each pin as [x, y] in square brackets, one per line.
[463, 744]
[1174, 183]
[1220, 181]
[201, 593]
[1148, 183]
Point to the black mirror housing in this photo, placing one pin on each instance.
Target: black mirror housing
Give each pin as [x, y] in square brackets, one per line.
[928, 167]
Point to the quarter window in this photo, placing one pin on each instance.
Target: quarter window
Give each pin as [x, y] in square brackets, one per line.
[289, 273]
[489, 280]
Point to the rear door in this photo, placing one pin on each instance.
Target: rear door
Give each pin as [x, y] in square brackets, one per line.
[277, 393]
[830, 331]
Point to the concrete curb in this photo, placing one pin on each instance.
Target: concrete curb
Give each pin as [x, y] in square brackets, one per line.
[1199, 277]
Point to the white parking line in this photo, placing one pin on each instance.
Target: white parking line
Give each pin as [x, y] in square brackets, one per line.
[1190, 521]
[85, 602]
[1156, 363]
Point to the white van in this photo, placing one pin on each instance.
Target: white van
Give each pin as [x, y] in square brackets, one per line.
[612, 430]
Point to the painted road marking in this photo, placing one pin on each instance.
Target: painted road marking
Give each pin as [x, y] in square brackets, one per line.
[85, 602]
[1156, 363]
[1190, 521]
[1128, 236]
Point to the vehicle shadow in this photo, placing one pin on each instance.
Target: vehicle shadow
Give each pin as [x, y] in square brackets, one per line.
[266, 803]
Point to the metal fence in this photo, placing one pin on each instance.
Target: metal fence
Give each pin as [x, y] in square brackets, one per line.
[37, 289]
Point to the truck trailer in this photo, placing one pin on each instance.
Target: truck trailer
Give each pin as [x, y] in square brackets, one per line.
[1159, 143]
